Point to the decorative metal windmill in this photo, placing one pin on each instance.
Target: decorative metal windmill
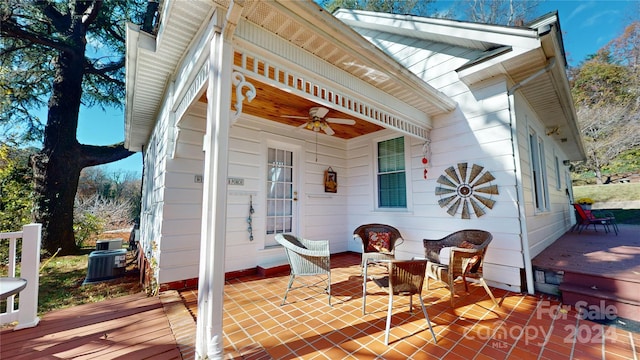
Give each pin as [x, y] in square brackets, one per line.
[465, 191]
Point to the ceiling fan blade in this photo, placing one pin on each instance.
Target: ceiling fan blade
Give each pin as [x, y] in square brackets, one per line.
[318, 111]
[341, 121]
[295, 117]
[328, 130]
[303, 125]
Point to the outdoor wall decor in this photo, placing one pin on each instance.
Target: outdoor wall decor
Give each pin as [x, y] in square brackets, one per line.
[330, 181]
[426, 154]
[466, 191]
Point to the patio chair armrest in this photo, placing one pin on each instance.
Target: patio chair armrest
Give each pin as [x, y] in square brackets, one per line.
[432, 249]
[315, 247]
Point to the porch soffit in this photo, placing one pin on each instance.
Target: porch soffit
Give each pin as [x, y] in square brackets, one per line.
[302, 81]
[284, 89]
[295, 66]
[548, 93]
[303, 25]
[151, 62]
[313, 33]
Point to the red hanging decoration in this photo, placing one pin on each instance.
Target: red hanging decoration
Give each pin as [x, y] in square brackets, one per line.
[426, 151]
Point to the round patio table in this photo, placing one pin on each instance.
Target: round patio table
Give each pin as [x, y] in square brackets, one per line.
[11, 286]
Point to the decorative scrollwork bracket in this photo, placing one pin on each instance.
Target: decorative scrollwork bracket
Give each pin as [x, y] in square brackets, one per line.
[240, 82]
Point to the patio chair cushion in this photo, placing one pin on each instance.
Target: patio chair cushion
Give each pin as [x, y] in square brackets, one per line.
[466, 249]
[444, 255]
[467, 245]
[379, 241]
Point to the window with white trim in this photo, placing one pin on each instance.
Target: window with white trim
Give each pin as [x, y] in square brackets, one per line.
[391, 174]
[538, 172]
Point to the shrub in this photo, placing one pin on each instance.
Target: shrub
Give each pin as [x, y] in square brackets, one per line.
[585, 201]
[86, 226]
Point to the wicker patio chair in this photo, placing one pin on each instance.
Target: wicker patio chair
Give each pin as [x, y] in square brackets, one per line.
[406, 277]
[584, 218]
[306, 258]
[467, 249]
[378, 241]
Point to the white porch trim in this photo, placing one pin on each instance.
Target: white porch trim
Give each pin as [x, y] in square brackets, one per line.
[209, 337]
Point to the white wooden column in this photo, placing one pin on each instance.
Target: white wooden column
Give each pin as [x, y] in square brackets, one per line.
[209, 343]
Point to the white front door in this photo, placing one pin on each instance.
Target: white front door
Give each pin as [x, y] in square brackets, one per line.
[281, 193]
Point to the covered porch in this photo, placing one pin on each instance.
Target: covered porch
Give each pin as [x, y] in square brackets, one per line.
[255, 326]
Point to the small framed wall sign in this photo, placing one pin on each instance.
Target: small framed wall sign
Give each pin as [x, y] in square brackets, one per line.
[330, 181]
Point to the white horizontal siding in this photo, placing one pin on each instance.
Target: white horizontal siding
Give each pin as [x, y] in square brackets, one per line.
[543, 228]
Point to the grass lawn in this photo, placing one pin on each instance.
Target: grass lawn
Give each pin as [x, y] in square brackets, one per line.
[609, 192]
[614, 193]
[61, 280]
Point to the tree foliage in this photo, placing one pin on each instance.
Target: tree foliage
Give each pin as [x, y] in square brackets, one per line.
[16, 187]
[601, 82]
[116, 188]
[63, 54]
[606, 90]
[35, 33]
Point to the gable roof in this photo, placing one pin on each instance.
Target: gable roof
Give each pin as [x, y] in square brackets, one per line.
[531, 57]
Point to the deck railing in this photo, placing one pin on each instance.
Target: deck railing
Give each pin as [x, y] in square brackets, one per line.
[26, 313]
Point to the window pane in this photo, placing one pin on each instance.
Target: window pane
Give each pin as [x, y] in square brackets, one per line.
[391, 155]
[391, 174]
[392, 190]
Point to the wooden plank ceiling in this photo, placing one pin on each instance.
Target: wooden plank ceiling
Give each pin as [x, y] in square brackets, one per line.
[274, 104]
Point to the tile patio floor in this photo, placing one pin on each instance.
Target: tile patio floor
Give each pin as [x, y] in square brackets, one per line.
[524, 327]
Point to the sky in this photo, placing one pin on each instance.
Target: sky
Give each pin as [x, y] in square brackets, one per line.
[586, 25]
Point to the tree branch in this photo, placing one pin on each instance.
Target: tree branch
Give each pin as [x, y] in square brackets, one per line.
[92, 155]
[90, 13]
[12, 30]
[58, 20]
[103, 69]
[116, 35]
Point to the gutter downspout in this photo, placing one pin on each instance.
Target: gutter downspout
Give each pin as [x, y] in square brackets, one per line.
[524, 238]
[209, 335]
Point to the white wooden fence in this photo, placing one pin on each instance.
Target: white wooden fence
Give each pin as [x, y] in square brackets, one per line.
[27, 312]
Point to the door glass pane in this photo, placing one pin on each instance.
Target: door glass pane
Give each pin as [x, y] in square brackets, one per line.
[279, 191]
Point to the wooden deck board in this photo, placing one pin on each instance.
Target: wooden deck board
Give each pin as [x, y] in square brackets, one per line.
[596, 253]
[128, 327]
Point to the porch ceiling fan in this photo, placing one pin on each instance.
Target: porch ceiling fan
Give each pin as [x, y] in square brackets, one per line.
[316, 120]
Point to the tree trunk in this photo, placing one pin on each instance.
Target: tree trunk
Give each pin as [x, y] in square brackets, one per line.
[56, 175]
[57, 166]
[598, 177]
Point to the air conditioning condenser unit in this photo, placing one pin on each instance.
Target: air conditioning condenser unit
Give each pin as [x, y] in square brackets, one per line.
[105, 265]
